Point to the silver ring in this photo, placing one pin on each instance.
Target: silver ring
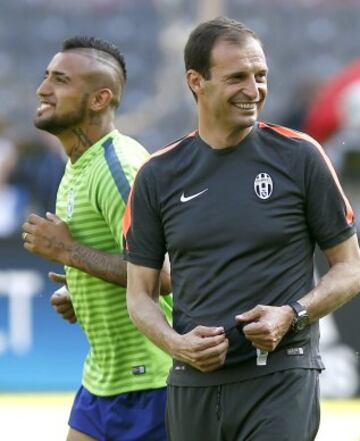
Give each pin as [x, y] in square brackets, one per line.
[25, 236]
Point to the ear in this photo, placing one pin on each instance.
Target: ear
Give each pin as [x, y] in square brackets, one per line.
[100, 99]
[195, 81]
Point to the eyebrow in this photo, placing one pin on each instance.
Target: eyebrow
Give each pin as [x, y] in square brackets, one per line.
[236, 74]
[58, 74]
[239, 74]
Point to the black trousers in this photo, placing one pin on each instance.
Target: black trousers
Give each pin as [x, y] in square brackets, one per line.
[283, 406]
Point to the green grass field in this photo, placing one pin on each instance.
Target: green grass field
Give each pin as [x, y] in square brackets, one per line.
[43, 417]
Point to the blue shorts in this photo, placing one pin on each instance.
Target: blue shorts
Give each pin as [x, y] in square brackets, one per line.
[132, 416]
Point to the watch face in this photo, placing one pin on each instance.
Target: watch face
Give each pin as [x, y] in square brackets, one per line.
[301, 323]
[301, 319]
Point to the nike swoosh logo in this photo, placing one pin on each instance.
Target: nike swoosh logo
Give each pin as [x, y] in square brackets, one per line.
[184, 198]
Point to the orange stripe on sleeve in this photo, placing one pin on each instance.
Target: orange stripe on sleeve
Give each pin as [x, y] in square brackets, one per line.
[127, 219]
[127, 216]
[299, 135]
[173, 145]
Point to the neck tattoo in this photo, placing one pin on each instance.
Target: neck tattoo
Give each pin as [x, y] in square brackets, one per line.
[82, 143]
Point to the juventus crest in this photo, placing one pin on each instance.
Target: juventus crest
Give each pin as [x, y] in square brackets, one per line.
[263, 186]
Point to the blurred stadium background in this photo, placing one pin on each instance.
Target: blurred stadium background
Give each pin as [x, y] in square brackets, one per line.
[310, 45]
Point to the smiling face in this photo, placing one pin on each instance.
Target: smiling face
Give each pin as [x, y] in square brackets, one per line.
[235, 92]
[63, 93]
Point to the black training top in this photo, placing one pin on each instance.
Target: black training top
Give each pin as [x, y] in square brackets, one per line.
[240, 226]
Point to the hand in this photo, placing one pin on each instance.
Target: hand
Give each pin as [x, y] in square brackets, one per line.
[204, 348]
[50, 238]
[60, 299]
[268, 325]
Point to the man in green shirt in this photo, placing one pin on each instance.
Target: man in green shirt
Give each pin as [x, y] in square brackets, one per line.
[122, 396]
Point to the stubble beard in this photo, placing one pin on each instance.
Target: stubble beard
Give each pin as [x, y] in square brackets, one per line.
[56, 124]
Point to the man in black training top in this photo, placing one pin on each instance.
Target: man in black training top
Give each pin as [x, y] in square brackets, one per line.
[239, 206]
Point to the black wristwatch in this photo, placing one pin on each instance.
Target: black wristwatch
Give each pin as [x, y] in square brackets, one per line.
[301, 319]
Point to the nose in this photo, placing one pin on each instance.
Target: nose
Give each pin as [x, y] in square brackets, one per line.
[251, 89]
[43, 89]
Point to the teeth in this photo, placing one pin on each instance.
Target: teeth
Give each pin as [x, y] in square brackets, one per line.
[43, 107]
[245, 106]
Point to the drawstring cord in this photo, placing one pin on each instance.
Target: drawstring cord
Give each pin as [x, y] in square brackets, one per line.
[218, 402]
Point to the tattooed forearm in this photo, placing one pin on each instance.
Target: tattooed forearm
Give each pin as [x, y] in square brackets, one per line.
[105, 266]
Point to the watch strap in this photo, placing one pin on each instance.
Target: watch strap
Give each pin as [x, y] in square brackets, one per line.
[297, 308]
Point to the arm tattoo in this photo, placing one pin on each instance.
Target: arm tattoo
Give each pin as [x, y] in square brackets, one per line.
[106, 266]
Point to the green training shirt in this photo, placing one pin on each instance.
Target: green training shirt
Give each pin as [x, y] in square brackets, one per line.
[91, 200]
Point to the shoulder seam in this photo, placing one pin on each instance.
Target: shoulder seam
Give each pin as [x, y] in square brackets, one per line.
[291, 133]
[171, 146]
[127, 218]
[287, 132]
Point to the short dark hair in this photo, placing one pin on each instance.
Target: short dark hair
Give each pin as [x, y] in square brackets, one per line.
[83, 42]
[202, 39]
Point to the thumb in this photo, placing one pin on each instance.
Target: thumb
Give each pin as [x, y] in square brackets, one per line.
[52, 217]
[249, 316]
[57, 278]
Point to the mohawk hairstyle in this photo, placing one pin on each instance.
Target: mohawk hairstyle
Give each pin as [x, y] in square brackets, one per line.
[83, 42]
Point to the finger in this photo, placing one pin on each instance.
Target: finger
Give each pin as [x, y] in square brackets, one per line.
[256, 337]
[201, 344]
[72, 320]
[208, 355]
[57, 278]
[68, 315]
[256, 329]
[61, 301]
[240, 324]
[249, 316]
[268, 339]
[264, 335]
[269, 347]
[210, 366]
[57, 300]
[28, 232]
[207, 331]
[34, 219]
[264, 338]
[61, 295]
[262, 346]
[64, 308]
[52, 217]
[213, 359]
[213, 352]
[29, 246]
[28, 228]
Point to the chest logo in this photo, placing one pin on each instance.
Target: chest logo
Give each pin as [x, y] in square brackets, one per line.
[263, 186]
[184, 198]
[70, 203]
